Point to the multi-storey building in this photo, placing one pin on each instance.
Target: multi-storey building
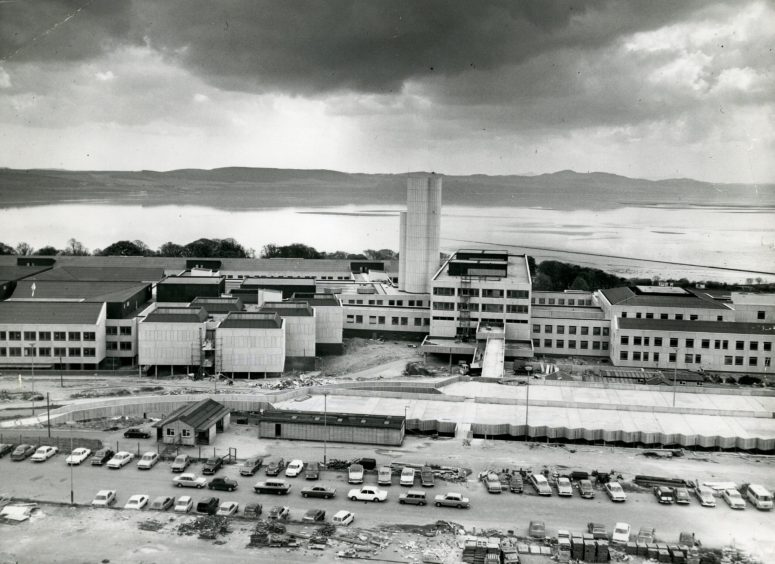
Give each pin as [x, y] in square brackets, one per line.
[569, 323]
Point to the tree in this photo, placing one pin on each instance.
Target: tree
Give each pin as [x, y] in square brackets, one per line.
[125, 249]
[75, 248]
[47, 251]
[382, 254]
[6, 250]
[294, 250]
[24, 249]
[217, 248]
[579, 283]
[170, 249]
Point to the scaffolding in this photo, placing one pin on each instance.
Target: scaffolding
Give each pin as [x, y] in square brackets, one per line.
[464, 308]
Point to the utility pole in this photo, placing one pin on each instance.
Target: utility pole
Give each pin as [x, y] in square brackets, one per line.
[32, 377]
[325, 429]
[675, 375]
[61, 373]
[529, 370]
[72, 495]
[48, 416]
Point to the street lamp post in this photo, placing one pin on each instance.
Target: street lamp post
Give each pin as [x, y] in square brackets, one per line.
[529, 370]
[405, 419]
[32, 376]
[675, 375]
[325, 429]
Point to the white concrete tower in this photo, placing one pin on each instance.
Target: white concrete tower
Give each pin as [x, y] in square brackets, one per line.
[420, 234]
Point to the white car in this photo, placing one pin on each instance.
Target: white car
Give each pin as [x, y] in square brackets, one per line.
[294, 468]
[120, 459]
[104, 498]
[615, 491]
[138, 501]
[78, 456]
[367, 493]
[705, 496]
[621, 533]
[184, 504]
[228, 508]
[564, 487]
[147, 461]
[733, 499]
[355, 474]
[189, 480]
[343, 518]
[44, 453]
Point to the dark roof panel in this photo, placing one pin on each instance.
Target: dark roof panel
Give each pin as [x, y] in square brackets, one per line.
[217, 305]
[637, 297]
[177, 315]
[55, 313]
[200, 415]
[317, 299]
[249, 320]
[697, 326]
[86, 290]
[334, 419]
[288, 309]
[105, 273]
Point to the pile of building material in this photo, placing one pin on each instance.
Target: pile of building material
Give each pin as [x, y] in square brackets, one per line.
[150, 525]
[17, 512]
[207, 527]
[270, 533]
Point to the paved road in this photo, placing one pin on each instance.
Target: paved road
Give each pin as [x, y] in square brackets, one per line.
[51, 481]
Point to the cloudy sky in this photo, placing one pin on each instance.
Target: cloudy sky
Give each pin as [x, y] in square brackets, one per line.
[651, 89]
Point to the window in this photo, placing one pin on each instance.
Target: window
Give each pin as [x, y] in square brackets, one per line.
[359, 319]
[510, 308]
[671, 357]
[404, 321]
[444, 306]
[44, 335]
[359, 302]
[89, 336]
[752, 361]
[623, 355]
[693, 318]
[638, 341]
[73, 351]
[636, 355]
[30, 336]
[604, 345]
[560, 343]
[561, 329]
[185, 432]
[547, 343]
[595, 331]
[169, 431]
[688, 358]
[551, 301]
[29, 351]
[663, 316]
[595, 345]
[44, 351]
[767, 361]
[3, 336]
[728, 360]
[719, 318]
[74, 336]
[739, 345]
[3, 351]
[126, 330]
[625, 340]
[606, 331]
[725, 344]
[87, 351]
[585, 330]
[125, 346]
[697, 358]
[372, 320]
[14, 351]
[705, 344]
[624, 315]
[673, 342]
[572, 344]
[417, 322]
[547, 328]
[492, 308]
[571, 329]
[536, 343]
[113, 345]
[760, 315]
[657, 341]
[14, 335]
[689, 343]
[492, 293]
[371, 302]
[649, 316]
[394, 321]
[645, 356]
[438, 291]
[517, 294]
[646, 341]
[679, 316]
[541, 301]
[738, 361]
[767, 346]
[60, 351]
[536, 328]
[656, 357]
[571, 301]
[584, 345]
[399, 302]
[753, 345]
[638, 315]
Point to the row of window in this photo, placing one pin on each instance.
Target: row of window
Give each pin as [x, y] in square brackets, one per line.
[488, 308]
[47, 351]
[752, 361]
[47, 336]
[560, 330]
[677, 316]
[380, 320]
[560, 344]
[561, 301]
[170, 431]
[719, 344]
[123, 330]
[396, 303]
[482, 292]
[114, 346]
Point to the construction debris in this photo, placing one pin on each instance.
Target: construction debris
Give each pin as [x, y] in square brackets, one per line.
[270, 533]
[150, 525]
[207, 527]
[17, 512]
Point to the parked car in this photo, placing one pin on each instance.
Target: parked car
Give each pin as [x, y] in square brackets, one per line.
[148, 461]
[250, 466]
[516, 485]
[368, 463]
[355, 474]
[407, 477]
[385, 476]
[733, 498]
[452, 499]
[294, 468]
[104, 498]
[412, 497]
[621, 533]
[492, 483]
[252, 510]
[275, 467]
[137, 501]
[213, 464]
[318, 491]
[120, 459]
[343, 518]
[228, 508]
[273, 486]
[279, 512]
[426, 477]
[367, 493]
[225, 484]
[44, 453]
[537, 530]
[313, 515]
[646, 535]
[312, 471]
[597, 530]
[189, 480]
[615, 491]
[22, 452]
[180, 463]
[704, 495]
[541, 484]
[585, 489]
[102, 456]
[77, 456]
[208, 505]
[183, 504]
[564, 487]
[162, 503]
[135, 433]
[5, 448]
[681, 496]
[664, 494]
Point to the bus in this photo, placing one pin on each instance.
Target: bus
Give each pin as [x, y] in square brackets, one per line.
[759, 496]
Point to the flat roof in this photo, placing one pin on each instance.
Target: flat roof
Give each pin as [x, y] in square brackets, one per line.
[51, 312]
[185, 314]
[288, 309]
[285, 281]
[217, 305]
[102, 273]
[201, 280]
[685, 326]
[251, 320]
[83, 290]
[632, 296]
[15, 272]
[316, 299]
[516, 266]
[333, 419]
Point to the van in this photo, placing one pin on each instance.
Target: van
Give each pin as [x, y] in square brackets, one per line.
[385, 476]
[759, 496]
[412, 497]
[208, 505]
[664, 494]
[343, 518]
[407, 477]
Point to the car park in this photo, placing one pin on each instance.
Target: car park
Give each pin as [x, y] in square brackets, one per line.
[183, 504]
[180, 463]
[407, 477]
[22, 451]
[318, 491]
[312, 471]
[413, 497]
[541, 484]
[426, 477]
[208, 505]
[664, 494]
[148, 461]
[228, 508]
[615, 491]
[44, 453]
[212, 465]
[102, 456]
[585, 488]
[313, 515]
[189, 480]
[78, 455]
[537, 530]
[294, 468]
[5, 448]
[162, 503]
[451, 499]
[564, 487]
[733, 498]
[704, 495]
[275, 467]
[250, 466]
[104, 498]
[135, 433]
[597, 530]
[621, 534]
[385, 476]
[120, 459]
[273, 486]
[367, 493]
[279, 512]
[137, 501]
[225, 484]
[343, 518]
[355, 474]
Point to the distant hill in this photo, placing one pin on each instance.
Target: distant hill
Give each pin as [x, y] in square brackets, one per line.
[262, 188]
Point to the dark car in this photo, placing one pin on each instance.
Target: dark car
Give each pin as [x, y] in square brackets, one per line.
[313, 515]
[318, 491]
[5, 449]
[212, 465]
[22, 451]
[367, 463]
[597, 530]
[208, 505]
[100, 457]
[275, 467]
[537, 530]
[225, 484]
[250, 466]
[135, 433]
[312, 472]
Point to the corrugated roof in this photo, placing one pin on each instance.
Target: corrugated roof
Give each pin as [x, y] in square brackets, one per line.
[105, 273]
[288, 309]
[334, 419]
[85, 290]
[55, 313]
[628, 297]
[177, 315]
[697, 326]
[250, 320]
[200, 415]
